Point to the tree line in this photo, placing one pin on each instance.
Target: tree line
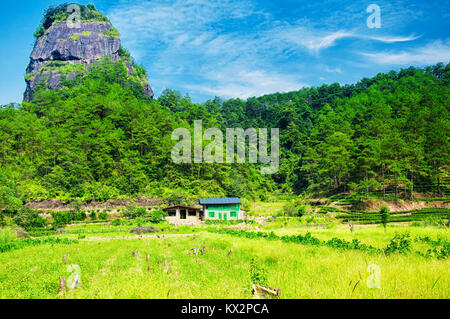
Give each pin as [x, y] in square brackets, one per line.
[99, 138]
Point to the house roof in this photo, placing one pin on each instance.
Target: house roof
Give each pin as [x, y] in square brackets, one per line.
[180, 207]
[220, 201]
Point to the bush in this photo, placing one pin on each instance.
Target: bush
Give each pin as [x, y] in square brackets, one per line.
[28, 218]
[61, 219]
[290, 209]
[257, 274]
[39, 32]
[302, 210]
[245, 204]
[7, 237]
[158, 216]
[133, 211]
[384, 213]
[2, 219]
[80, 216]
[76, 205]
[177, 198]
[93, 215]
[103, 215]
[116, 222]
[401, 243]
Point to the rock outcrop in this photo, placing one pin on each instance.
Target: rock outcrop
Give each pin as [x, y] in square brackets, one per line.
[64, 52]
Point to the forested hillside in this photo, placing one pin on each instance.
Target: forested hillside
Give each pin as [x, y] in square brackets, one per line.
[99, 137]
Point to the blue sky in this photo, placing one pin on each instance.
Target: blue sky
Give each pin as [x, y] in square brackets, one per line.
[244, 48]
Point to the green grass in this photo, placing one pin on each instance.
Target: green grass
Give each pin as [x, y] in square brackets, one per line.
[258, 208]
[301, 271]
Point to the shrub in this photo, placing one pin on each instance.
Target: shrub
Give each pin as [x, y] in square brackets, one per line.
[133, 211]
[302, 210]
[39, 32]
[7, 237]
[61, 219]
[28, 218]
[257, 273]
[2, 219]
[384, 213]
[80, 216]
[103, 215]
[112, 33]
[158, 216]
[290, 209]
[140, 221]
[401, 243]
[245, 204]
[116, 222]
[76, 205]
[176, 198]
[93, 215]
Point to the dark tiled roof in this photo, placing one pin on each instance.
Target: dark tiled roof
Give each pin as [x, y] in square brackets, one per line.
[181, 207]
[219, 201]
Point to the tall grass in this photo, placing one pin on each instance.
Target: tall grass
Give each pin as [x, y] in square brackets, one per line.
[109, 270]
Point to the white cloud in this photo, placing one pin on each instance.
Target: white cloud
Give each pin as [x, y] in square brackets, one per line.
[434, 52]
[393, 39]
[224, 47]
[332, 70]
[235, 81]
[315, 40]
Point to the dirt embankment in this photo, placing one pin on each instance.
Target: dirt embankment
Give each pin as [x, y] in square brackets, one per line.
[400, 205]
[113, 204]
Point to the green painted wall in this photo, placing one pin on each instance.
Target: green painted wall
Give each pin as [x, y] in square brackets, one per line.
[222, 208]
[224, 212]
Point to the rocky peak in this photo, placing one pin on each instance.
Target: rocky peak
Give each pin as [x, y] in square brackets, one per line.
[65, 52]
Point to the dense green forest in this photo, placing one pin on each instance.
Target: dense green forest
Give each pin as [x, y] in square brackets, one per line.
[100, 138]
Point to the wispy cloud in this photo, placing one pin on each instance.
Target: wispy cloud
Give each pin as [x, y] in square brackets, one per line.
[239, 82]
[231, 48]
[393, 39]
[315, 40]
[433, 52]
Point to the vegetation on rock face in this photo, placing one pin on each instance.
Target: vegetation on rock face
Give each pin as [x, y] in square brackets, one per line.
[61, 67]
[56, 14]
[112, 33]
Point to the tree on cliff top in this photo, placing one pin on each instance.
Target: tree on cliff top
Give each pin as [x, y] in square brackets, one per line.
[56, 14]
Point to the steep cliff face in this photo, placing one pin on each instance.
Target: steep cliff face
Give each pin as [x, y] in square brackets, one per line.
[64, 53]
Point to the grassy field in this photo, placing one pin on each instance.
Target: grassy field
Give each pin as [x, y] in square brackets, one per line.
[109, 269]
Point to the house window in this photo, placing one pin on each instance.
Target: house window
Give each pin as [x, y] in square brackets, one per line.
[192, 213]
[233, 215]
[172, 213]
[212, 214]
